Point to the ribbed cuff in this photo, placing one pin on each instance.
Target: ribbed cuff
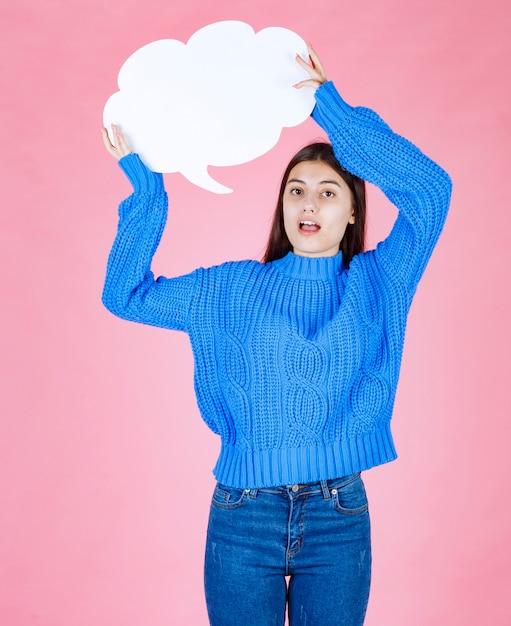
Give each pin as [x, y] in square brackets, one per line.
[330, 107]
[140, 176]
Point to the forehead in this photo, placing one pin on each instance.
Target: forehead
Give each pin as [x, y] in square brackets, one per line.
[314, 172]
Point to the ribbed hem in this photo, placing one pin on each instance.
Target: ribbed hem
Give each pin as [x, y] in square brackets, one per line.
[329, 106]
[139, 175]
[289, 466]
[310, 268]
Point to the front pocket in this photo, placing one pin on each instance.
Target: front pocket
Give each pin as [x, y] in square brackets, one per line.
[225, 497]
[350, 498]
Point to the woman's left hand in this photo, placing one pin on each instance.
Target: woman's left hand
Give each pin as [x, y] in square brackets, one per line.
[314, 68]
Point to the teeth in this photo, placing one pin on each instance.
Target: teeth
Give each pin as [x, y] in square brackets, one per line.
[307, 223]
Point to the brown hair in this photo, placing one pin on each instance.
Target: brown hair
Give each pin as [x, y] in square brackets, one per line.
[353, 241]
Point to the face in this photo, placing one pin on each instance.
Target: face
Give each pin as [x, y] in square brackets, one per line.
[318, 205]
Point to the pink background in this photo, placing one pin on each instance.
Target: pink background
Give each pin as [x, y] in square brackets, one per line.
[105, 474]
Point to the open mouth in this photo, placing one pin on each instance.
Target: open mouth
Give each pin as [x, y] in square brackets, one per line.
[307, 226]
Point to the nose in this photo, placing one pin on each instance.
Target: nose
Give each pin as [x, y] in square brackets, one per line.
[309, 204]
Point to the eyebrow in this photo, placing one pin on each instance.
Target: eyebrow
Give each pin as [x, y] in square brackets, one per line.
[322, 182]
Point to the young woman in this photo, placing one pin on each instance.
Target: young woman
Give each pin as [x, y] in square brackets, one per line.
[296, 360]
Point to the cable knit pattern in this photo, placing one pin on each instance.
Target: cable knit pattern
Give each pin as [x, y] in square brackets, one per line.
[296, 361]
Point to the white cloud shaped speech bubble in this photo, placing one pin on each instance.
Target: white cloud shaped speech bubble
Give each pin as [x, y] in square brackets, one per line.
[221, 99]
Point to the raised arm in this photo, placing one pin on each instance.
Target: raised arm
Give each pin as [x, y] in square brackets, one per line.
[366, 146]
[130, 290]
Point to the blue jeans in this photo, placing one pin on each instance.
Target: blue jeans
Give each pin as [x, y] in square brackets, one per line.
[318, 535]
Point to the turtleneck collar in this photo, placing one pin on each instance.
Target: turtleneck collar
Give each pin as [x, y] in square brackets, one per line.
[310, 268]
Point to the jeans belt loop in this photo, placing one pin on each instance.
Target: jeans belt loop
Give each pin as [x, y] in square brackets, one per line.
[253, 492]
[325, 489]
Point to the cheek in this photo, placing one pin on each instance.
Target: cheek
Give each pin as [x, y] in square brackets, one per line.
[340, 230]
[346, 217]
[288, 218]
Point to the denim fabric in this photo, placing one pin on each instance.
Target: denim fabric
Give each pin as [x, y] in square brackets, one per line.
[318, 535]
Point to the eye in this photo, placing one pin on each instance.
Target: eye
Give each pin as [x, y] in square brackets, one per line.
[328, 194]
[295, 191]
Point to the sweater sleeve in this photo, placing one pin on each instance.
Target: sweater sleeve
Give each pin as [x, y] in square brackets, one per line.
[420, 189]
[130, 290]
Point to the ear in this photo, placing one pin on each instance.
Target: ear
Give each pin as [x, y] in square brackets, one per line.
[352, 218]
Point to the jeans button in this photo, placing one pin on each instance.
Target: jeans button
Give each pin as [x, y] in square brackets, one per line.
[295, 488]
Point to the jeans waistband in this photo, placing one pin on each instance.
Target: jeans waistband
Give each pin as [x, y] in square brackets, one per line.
[324, 487]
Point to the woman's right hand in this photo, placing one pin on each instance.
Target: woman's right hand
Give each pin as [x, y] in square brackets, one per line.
[119, 148]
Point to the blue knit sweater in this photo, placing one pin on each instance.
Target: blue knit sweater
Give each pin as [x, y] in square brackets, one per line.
[296, 361]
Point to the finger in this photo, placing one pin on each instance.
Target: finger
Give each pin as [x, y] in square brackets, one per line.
[106, 141]
[308, 83]
[123, 145]
[306, 65]
[116, 134]
[308, 68]
[316, 62]
[120, 142]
